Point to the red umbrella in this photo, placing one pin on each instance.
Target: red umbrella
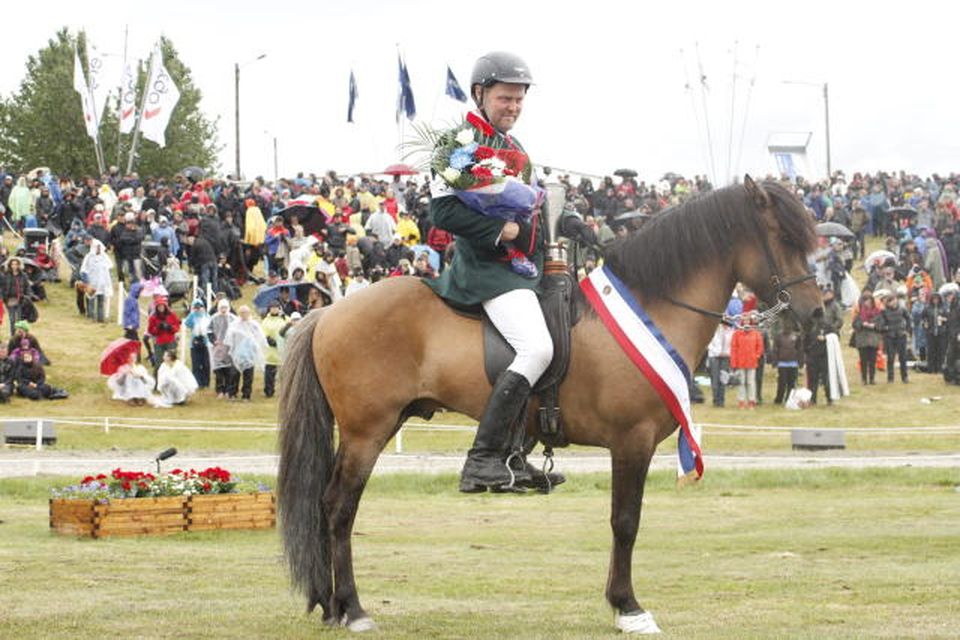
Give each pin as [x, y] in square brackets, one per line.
[117, 354]
[400, 170]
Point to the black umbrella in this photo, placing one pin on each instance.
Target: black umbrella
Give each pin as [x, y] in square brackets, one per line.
[631, 215]
[833, 229]
[625, 173]
[312, 219]
[193, 173]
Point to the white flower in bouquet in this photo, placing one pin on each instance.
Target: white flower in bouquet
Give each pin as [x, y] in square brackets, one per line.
[450, 175]
[465, 137]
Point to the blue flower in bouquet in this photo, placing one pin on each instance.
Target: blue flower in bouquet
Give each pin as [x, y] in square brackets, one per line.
[462, 157]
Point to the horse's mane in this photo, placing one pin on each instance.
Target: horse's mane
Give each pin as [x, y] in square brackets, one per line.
[682, 240]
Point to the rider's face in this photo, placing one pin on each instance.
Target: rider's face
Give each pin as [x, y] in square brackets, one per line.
[502, 103]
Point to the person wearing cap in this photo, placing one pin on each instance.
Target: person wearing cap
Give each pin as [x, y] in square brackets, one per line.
[163, 327]
[198, 323]
[894, 324]
[127, 240]
[15, 290]
[271, 325]
[480, 274]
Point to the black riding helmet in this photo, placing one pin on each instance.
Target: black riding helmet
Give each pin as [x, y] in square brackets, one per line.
[499, 66]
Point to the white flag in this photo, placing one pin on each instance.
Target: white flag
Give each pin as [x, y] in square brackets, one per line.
[128, 99]
[104, 77]
[80, 86]
[162, 97]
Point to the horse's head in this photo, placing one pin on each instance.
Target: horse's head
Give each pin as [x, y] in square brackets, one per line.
[776, 267]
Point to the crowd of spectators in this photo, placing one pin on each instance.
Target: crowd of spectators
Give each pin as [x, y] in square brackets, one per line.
[150, 232]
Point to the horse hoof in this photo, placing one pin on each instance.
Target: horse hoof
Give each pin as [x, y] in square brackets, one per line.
[639, 622]
[362, 624]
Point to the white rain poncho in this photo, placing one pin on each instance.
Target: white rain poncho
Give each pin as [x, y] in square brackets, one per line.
[247, 345]
[220, 325]
[96, 267]
[131, 382]
[175, 383]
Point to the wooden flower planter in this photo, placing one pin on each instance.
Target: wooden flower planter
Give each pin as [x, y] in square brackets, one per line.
[162, 516]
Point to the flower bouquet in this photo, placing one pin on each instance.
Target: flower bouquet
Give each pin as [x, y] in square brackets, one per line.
[492, 182]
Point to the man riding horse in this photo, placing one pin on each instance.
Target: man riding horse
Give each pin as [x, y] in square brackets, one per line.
[481, 274]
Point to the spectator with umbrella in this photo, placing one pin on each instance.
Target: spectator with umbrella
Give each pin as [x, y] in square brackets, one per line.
[130, 381]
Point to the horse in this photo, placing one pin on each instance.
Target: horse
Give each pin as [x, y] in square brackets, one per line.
[343, 360]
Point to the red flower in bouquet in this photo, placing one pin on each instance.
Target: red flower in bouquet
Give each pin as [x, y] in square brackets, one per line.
[482, 153]
[516, 161]
[480, 124]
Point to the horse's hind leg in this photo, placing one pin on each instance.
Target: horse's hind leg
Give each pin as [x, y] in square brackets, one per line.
[354, 463]
[629, 475]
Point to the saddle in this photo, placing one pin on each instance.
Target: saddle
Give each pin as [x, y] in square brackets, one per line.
[559, 302]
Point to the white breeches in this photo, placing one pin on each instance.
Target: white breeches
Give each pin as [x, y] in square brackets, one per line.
[517, 315]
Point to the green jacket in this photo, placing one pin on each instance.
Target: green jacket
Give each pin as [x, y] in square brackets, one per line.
[480, 269]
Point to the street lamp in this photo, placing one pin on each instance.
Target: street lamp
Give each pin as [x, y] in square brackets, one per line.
[826, 112]
[236, 103]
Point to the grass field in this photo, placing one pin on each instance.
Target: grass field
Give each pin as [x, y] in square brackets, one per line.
[73, 344]
[812, 554]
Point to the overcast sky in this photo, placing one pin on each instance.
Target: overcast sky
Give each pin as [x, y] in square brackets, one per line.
[610, 77]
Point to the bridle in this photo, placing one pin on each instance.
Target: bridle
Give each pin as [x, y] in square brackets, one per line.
[761, 318]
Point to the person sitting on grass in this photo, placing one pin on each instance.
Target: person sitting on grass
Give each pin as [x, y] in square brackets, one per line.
[175, 382]
[132, 383]
[6, 374]
[31, 379]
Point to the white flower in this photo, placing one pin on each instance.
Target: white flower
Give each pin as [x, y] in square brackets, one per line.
[450, 174]
[465, 137]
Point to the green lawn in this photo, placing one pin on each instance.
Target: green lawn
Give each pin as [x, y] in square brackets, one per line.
[798, 554]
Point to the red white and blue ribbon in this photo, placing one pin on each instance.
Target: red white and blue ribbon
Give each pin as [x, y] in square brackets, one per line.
[649, 350]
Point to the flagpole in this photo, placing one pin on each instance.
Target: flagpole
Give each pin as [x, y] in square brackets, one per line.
[126, 34]
[143, 104]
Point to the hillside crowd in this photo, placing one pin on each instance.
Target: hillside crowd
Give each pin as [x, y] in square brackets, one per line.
[309, 241]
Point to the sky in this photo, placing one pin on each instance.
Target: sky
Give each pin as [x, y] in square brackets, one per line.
[617, 83]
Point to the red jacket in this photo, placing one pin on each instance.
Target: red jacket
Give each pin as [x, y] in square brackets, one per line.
[167, 334]
[746, 349]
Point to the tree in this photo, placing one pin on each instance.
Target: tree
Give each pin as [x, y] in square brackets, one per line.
[42, 123]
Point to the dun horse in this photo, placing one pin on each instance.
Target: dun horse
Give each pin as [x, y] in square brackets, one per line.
[682, 266]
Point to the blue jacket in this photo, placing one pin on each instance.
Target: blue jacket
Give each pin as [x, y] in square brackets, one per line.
[131, 310]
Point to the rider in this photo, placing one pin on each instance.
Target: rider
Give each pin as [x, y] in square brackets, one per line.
[480, 273]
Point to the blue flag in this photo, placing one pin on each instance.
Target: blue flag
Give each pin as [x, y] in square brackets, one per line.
[453, 87]
[353, 97]
[405, 103]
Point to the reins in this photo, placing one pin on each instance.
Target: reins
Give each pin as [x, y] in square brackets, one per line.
[762, 318]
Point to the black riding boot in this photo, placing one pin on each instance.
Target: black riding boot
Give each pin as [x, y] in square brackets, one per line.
[485, 467]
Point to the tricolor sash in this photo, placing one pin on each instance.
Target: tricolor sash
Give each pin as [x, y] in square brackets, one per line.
[650, 351]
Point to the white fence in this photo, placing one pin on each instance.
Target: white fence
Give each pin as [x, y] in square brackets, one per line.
[108, 423]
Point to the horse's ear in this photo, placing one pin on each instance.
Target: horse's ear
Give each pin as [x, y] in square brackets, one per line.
[756, 193]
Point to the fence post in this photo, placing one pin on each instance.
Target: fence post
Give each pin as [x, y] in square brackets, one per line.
[120, 298]
[196, 285]
[209, 294]
[39, 434]
[399, 440]
[106, 424]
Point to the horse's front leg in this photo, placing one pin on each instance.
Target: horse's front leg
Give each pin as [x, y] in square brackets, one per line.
[630, 466]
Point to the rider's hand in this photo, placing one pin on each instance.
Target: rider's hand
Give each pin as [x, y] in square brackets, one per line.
[510, 231]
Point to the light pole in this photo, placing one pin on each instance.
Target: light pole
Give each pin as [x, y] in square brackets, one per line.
[236, 105]
[826, 115]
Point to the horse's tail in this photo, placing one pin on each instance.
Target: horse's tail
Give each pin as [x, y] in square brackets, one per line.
[306, 464]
